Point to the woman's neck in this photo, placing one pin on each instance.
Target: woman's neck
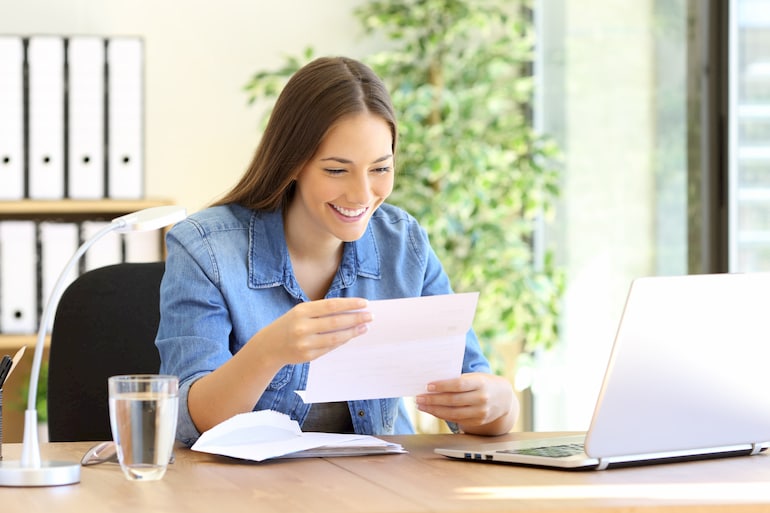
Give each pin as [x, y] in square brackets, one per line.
[315, 256]
[307, 242]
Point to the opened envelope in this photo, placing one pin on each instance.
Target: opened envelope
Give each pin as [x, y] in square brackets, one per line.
[266, 434]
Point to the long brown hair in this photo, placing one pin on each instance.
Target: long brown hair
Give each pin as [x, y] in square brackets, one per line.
[315, 98]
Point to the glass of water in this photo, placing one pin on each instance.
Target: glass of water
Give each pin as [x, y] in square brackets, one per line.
[143, 414]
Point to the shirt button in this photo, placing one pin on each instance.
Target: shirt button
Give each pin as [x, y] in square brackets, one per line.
[361, 413]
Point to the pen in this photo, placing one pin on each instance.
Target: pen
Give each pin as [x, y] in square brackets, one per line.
[16, 359]
[5, 367]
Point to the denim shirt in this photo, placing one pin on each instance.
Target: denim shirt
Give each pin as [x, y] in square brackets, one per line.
[228, 275]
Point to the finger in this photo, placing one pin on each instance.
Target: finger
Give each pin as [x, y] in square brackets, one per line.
[469, 415]
[339, 337]
[450, 399]
[341, 322]
[323, 343]
[336, 305]
[465, 383]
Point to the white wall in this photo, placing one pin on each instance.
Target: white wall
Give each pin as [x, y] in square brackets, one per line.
[199, 131]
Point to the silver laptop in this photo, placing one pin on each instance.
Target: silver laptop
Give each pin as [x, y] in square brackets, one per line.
[688, 378]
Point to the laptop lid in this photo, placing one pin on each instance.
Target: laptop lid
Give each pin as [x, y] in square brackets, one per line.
[688, 369]
[687, 375]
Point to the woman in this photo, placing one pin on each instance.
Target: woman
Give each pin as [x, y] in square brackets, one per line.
[279, 271]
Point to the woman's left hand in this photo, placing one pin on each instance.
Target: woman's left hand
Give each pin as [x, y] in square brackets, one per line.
[482, 404]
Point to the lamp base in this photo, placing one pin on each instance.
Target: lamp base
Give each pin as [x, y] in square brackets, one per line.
[50, 473]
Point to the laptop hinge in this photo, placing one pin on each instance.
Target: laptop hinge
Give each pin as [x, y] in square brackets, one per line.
[756, 448]
[603, 464]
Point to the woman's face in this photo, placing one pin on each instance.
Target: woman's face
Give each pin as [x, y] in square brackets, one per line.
[350, 175]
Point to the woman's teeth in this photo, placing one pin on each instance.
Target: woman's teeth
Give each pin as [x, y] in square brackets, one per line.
[349, 213]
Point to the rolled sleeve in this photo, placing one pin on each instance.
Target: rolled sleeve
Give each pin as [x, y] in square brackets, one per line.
[186, 432]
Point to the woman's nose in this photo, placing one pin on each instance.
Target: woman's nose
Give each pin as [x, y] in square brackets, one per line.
[360, 190]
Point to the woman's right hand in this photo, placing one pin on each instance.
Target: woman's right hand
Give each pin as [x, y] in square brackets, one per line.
[312, 329]
[304, 333]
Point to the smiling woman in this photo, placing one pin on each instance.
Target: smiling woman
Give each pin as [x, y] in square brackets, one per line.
[279, 272]
[337, 192]
[341, 186]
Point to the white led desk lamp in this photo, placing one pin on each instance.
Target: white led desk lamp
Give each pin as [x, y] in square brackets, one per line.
[31, 471]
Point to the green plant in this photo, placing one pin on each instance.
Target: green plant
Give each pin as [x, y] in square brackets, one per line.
[41, 401]
[469, 167]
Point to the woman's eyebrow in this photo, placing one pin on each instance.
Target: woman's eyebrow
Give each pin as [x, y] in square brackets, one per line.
[342, 160]
[383, 158]
[338, 159]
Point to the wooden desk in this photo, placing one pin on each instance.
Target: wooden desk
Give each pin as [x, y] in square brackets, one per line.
[420, 481]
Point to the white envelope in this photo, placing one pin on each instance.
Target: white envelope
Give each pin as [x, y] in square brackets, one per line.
[265, 434]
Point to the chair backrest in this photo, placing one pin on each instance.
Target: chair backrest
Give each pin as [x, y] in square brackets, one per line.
[105, 324]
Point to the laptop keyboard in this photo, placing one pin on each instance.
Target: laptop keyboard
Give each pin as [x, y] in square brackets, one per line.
[553, 451]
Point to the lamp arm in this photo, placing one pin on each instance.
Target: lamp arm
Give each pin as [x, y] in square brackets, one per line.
[31, 448]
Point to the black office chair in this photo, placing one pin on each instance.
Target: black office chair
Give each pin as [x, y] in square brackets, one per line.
[105, 324]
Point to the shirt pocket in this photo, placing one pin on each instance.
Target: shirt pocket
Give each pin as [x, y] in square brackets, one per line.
[281, 378]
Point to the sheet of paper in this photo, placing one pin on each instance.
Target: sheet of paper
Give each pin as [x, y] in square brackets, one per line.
[410, 342]
[266, 434]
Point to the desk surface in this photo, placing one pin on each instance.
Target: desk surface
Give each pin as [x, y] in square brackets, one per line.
[419, 481]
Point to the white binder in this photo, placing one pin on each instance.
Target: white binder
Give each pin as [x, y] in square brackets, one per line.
[45, 61]
[85, 125]
[58, 242]
[11, 118]
[106, 251]
[125, 103]
[143, 246]
[18, 277]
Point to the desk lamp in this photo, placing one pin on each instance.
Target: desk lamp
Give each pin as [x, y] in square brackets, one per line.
[30, 470]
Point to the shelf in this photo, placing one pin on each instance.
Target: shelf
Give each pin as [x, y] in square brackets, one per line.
[37, 208]
[10, 343]
[70, 210]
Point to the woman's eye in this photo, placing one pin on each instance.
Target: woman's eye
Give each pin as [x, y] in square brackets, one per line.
[334, 171]
[382, 169]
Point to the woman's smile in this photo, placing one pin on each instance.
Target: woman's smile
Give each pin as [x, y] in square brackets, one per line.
[347, 214]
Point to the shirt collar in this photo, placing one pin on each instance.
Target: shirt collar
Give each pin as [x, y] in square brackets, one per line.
[270, 265]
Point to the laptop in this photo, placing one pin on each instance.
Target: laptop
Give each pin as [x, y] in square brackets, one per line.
[688, 378]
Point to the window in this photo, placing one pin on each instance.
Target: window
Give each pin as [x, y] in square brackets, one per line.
[617, 86]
